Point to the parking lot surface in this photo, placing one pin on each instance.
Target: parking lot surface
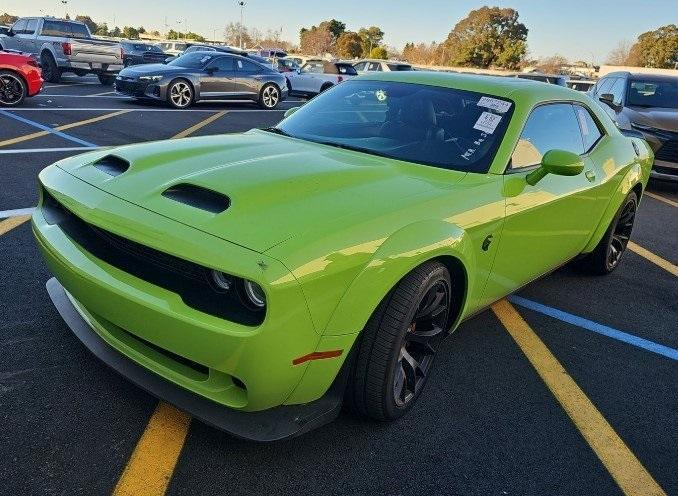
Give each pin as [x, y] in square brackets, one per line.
[569, 388]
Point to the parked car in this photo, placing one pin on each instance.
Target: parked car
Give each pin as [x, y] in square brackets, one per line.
[648, 104]
[287, 65]
[173, 48]
[64, 46]
[135, 52]
[258, 280]
[317, 76]
[199, 76]
[557, 79]
[20, 76]
[227, 49]
[300, 59]
[580, 84]
[376, 65]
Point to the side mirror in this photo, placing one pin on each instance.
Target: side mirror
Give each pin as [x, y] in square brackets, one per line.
[10, 33]
[608, 99]
[556, 162]
[290, 111]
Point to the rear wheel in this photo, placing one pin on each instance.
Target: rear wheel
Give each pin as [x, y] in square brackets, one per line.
[398, 345]
[106, 79]
[269, 97]
[50, 71]
[13, 89]
[180, 94]
[608, 253]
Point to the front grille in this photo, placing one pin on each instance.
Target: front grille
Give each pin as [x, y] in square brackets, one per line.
[187, 279]
[668, 151]
[134, 88]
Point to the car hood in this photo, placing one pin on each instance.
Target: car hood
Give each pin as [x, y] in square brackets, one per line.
[657, 117]
[149, 69]
[276, 187]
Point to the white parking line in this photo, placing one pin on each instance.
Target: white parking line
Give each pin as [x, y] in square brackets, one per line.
[50, 150]
[75, 109]
[43, 95]
[4, 214]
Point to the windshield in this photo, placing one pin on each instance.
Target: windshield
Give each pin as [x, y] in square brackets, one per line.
[440, 127]
[194, 60]
[653, 94]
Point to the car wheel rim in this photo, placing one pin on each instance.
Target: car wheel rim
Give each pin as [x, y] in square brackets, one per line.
[270, 96]
[419, 343]
[180, 94]
[621, 235]
[11, 89]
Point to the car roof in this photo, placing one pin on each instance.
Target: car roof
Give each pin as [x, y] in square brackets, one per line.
[512, 88]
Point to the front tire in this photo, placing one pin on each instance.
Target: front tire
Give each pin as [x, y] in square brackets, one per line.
[398, 345]
[180, 94]
[269, 96]
[13, 89]
[608, 253]
[50, 72]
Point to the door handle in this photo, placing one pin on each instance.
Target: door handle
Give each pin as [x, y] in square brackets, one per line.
[590, 175]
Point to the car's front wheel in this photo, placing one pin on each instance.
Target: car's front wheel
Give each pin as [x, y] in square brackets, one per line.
[180, 94]
[608, 253]
[269, 97]
[398, 345]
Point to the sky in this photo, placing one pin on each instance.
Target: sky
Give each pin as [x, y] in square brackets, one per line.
[579, 30]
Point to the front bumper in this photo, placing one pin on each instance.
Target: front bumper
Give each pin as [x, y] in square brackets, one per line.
[269, 425]
[138, 89]
[241, 367]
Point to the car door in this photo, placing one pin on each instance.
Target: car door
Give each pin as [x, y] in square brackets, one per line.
[28, 36]
[247, 78]
[15, 41]
[218, 79]
[308, 80]
[551, 222]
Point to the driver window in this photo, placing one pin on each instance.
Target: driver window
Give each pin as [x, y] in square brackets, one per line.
[618, 90]
[223, 64]
[548, 127]
[19, 26]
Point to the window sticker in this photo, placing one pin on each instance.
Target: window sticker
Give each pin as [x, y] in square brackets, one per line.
[381, 95]
[487, 122]
[494, 104]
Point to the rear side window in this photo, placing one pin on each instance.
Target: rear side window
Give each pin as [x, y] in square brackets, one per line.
[399, 67]
[590, 131]
[64, 29]
[549, 127]
[374, 66]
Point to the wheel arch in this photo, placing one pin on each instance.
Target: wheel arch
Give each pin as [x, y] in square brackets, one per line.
[16, 73]
[400, 254]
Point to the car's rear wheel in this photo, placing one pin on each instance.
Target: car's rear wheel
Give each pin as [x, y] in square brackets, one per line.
[398, 345]
[269, 96]
[13, 89]
[106, 79]
[50, 71]
[609, 251]
[180, 94]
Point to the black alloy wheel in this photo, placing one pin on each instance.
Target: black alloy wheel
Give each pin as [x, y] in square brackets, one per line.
[12, 89]
[621, 235]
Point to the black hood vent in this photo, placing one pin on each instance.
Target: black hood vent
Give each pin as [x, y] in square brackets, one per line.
[112, 165]
[198, 197]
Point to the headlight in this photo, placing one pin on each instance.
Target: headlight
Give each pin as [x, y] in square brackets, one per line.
[254, 294]
[152, 79]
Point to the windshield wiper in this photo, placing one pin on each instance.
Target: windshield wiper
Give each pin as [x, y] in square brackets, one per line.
[353, 148]
[276, 130]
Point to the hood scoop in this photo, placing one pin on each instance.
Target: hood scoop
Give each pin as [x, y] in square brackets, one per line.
[198, 197]
[112, 165]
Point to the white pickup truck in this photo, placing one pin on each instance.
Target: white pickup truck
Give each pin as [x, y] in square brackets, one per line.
[316, 76]
[64, 46]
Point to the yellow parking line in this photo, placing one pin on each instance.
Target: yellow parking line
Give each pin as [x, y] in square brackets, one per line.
[152, 463]
[201, 124]
[661, 198]
[655, 259]
[627, 471]
[38, 134]
[9, 224]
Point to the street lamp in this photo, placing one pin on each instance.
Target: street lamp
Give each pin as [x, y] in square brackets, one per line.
[64, 2]
[242, 7]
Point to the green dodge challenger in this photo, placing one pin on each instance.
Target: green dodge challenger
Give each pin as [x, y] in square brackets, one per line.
[261, 280]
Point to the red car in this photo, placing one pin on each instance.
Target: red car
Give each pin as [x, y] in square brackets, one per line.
[20, 76]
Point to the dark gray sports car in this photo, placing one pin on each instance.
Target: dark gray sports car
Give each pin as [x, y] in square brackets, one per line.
[204, 76]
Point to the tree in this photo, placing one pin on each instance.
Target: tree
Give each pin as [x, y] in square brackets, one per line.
[335, 27]
[487, 36]
[348, 45]
[102, 29]
[8, 19]
[232, 33]
[379, 53]
[620, 54]
[130, 33]
[116, 33]
[421, 53]
[371, 37]
[552, 65]
[658, 48]
[316, 41]
[87, 20]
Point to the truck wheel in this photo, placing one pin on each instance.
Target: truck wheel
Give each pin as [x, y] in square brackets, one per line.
[106, 79]
[12, 89]
[50, 71]
[398, 345]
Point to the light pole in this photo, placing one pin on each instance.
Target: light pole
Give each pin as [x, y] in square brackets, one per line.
[64, 2]
[242, 8]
